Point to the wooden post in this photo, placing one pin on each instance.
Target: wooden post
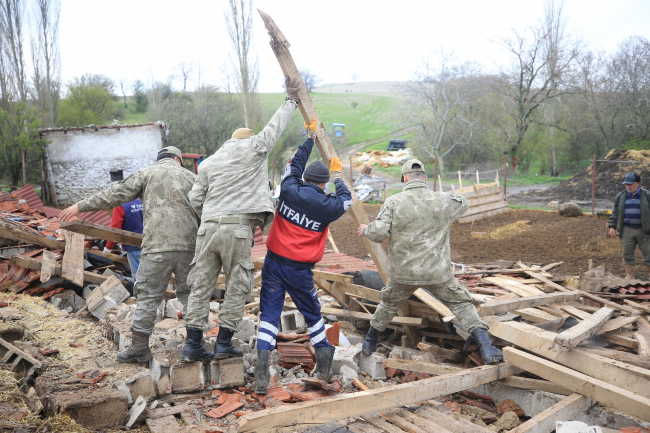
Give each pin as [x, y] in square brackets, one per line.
[351, 172]
[478, 182]
[460, 180]
[435, 173]
[505, 176]
[440, 182]
[593, 187]
[280, 47]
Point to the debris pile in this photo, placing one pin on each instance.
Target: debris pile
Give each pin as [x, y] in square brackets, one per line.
[383, 158]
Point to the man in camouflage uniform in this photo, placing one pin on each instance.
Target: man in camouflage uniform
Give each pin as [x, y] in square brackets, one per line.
[417, 223]
[232, 195]
[169, 237]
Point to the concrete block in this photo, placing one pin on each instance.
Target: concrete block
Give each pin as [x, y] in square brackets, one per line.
[164, 386]
[292, 321]
[575, 427]
[93, 410]
[172, 309]
[159, 364]
[246, 330]
[142, 385]
[104, 304]
[354, 339]
[88, 290]
[115, 295]
[347, 375]
[349, 356]
[167, 326]
[137, 413]
[68, 299]
[187, 377]
[227, 372]
[123, 313]
[373, 365]
[18, 360]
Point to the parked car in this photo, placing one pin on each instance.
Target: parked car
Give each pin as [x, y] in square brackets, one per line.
[396, 145]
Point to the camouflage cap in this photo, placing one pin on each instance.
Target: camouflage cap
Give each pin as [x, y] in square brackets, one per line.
[173, 150]
[407, 167]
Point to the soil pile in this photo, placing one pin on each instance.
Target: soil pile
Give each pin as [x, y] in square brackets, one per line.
[609, 176]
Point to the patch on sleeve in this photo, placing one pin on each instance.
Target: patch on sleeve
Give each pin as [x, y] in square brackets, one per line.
[347, 204]
[456, 197]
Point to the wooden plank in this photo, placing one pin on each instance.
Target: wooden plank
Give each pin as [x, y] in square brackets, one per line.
[442, 335]
[8, 232]
[381, 423]
[452, 355]
[359, 403]
[535, 315]
[616, 323]
[484, 211]
[97, 295]
[422, 367]
[568, 339]
[30, 263]
[643, 348]
[98, 231]
[280, 47]
[49, 263]
[637, 306]
[534, 384]
[393, 417]
[609, 303]
[436, 305]
[541, 342]
[621, 339]
[397, 320]
[539, 276]
[421, 422]
[449, 422]
[624, 357]
[578, 314]
[513, 288]
[566, 409]
[73, 258]
[603, 392]
[505, 306]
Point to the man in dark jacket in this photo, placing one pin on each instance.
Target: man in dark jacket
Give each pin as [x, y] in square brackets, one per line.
[295, 244]
[631, 217]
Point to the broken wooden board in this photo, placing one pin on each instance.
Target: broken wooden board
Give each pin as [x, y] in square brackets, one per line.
[570, 338]
[512, 287]
[348, 405]
[436, 305]
[624, 357]
[609, 303]
[541, 342]
[603, 392]
[636, 305]
[422, 367]
[73, 258]
[535, 384]
[395, 418]
[452, 355]
[566, 409]
[643, 346]
[449, 422]
[8, 232]
[98, 231]
[616, 323]
[397, 320]
[30, 263]
[507, 305]
[49, 263]
[280, 47]
[535, 315]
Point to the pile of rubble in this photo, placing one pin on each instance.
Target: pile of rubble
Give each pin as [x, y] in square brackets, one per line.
[383, 158]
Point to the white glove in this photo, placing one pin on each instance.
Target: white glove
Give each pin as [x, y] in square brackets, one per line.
[106, 252]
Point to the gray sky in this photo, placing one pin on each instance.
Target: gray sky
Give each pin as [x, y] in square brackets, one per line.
[378, 40]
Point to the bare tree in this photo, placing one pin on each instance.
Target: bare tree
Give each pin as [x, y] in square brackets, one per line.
[310, 79]
[541, 69]
[46, 81]
[440, 97]
[183, 72]
[239, 20]
[124, 85]
[12, 18]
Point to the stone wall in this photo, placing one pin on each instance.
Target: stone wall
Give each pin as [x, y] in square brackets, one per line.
[80, 163]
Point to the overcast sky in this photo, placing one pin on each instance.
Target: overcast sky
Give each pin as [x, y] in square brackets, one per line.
[378, 40]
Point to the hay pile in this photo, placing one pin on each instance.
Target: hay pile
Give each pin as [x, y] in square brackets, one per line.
[504, 232]
[609, 176]
[383, 158]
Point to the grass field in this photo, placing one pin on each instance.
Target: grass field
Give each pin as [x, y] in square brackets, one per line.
[369, 120]
[129, 116]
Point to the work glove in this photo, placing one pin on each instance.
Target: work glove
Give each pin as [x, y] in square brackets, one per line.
[293, 87]
[336, 167]
[311, 129]
[106, 252]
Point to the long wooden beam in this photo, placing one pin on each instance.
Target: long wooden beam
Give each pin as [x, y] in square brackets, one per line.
[603, 392]
[566, 409]
[280, 47]
[541, 342]
[570, 338]
[99, 231]
[8, 232]
[360, 403]
[30, 263]
[534, 384]
[397, 320]
[423, 367]
[496, 307]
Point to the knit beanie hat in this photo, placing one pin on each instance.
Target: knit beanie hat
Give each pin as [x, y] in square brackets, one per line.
[242, 133]
[317, 172]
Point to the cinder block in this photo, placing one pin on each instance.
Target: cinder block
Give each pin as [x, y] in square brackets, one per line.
[137, 413]
[115, 295]
[187, 377]
[354, 339]
[164, 384]
[347, 375]
[142, 384]
[166, 326]
[348, 355]
[159, 364]
[292, 321]
[227, 372]
[373, 365]
[93, 410]
[246, 330]
[17, 359]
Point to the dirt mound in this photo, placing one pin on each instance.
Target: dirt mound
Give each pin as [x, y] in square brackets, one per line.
[609, 176]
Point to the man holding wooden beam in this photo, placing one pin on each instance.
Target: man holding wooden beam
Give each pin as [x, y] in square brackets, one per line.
[417, 222]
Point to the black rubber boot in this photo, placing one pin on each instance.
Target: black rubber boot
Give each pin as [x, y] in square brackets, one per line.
[489, 353]
[262, 372]
[223, 348]
[193, 349]
[324, 356]
[370, 343]
[138, 351]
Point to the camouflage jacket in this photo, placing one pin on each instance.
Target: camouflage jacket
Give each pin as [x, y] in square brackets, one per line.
[170, 224]
[417, 221]
[235, 179]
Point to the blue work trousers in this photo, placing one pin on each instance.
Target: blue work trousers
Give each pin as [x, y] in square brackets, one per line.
[277, 279]
[134, 261]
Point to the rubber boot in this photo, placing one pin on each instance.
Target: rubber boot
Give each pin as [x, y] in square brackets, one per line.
[370, 343]
[629, 272]
[262, 372]
[138, 351]
[324, 356]
[193, 349]
[223, 348]
[489, 353]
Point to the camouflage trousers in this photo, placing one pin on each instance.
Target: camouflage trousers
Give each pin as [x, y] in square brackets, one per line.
[220, 245]
[151, 282]
[450, 293]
